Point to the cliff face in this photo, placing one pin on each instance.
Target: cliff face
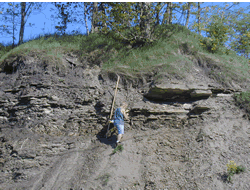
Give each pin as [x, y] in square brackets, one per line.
[181, 135]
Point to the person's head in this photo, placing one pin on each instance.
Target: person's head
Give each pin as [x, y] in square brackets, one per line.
[124, 105]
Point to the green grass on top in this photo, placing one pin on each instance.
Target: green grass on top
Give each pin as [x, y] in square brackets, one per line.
[172, 54]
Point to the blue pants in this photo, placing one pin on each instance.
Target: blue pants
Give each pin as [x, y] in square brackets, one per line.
[120, 127]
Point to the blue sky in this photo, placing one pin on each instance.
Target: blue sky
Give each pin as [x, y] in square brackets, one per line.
[43, 23]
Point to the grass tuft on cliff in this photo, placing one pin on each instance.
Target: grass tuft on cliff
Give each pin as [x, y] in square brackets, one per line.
[172, 55]
[243, 101]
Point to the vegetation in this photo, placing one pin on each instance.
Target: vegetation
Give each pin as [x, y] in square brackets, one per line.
[125, 39]
[136, 23]
[171, 55]
[104, 178]
[4, 49]
[243, 101]
[232, 169]
[118, 148]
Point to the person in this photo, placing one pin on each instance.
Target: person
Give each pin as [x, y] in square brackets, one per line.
[118, 121]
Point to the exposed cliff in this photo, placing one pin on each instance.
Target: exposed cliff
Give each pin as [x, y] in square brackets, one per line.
[183, 132]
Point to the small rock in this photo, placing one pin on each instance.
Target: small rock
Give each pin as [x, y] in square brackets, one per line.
[55, 98]
[224, 95]
[200, 93]
[47, 111]
[3, 118]
[198, 109]
[187, 106]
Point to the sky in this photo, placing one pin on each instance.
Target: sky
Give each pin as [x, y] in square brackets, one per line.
[43, 23]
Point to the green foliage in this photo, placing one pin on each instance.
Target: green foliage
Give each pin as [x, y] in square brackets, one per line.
[119, 148]
[170, 55]
[240, 169]
[232, 169]
[4, 49]
[129, 22]
[243, 101]
[166, 30]
[48, 48]
[217, 36]
[63, 15]
[241, 41]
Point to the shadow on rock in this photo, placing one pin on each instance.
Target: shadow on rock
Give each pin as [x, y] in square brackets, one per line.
[111, 140]
[222, 177]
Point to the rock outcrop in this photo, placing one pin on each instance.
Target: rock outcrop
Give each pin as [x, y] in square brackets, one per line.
[52, 122]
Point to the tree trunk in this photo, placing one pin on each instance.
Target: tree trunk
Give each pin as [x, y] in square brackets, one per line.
[166, 16]
[158, 14]
[128, 23]
[170, 13]
[140, 6]
[23, 7]
[104, 24]
[148, 20]
[85, 17]
[94, 28]
[199, 15]
[188, 14]
[145, 19]
[13, 23]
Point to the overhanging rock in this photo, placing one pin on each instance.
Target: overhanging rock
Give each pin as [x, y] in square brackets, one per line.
[178, 92]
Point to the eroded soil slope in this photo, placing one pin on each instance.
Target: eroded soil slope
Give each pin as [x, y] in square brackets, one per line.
[181, 135]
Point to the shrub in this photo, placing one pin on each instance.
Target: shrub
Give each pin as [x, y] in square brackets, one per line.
[118, 148]
[217, 36]
[232, 169]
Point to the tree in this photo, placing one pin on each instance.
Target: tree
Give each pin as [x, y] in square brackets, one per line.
[78, 13]
[1, 17]
[23, 7]
[220, 26]
[146, 19]
[168, 14]
[16, 15]
[171, 13]
[188, 13]
[134, 23]
[85, 17]
[94, 21]
[158, 10]
[26, 9]
[240, 40]
[198, 17]
[120, 16]
[63, 16]
[11, 19]
[102, 9]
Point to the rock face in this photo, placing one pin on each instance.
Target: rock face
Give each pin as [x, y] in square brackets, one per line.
[52, 121]
[180, 91]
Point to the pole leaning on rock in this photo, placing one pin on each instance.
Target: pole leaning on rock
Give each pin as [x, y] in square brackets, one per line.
[113, 103]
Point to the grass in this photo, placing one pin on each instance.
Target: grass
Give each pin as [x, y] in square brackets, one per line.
[171, 55]
[243, 101]
[232, 169]
[4, 49]
[119, 148]
[104, 178]
[49, 48]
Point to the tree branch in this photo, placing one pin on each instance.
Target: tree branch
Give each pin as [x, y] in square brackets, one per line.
[28, 9]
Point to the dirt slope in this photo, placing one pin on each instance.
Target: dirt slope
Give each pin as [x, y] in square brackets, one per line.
[189, 157]
[51, 123]
[186, 157]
